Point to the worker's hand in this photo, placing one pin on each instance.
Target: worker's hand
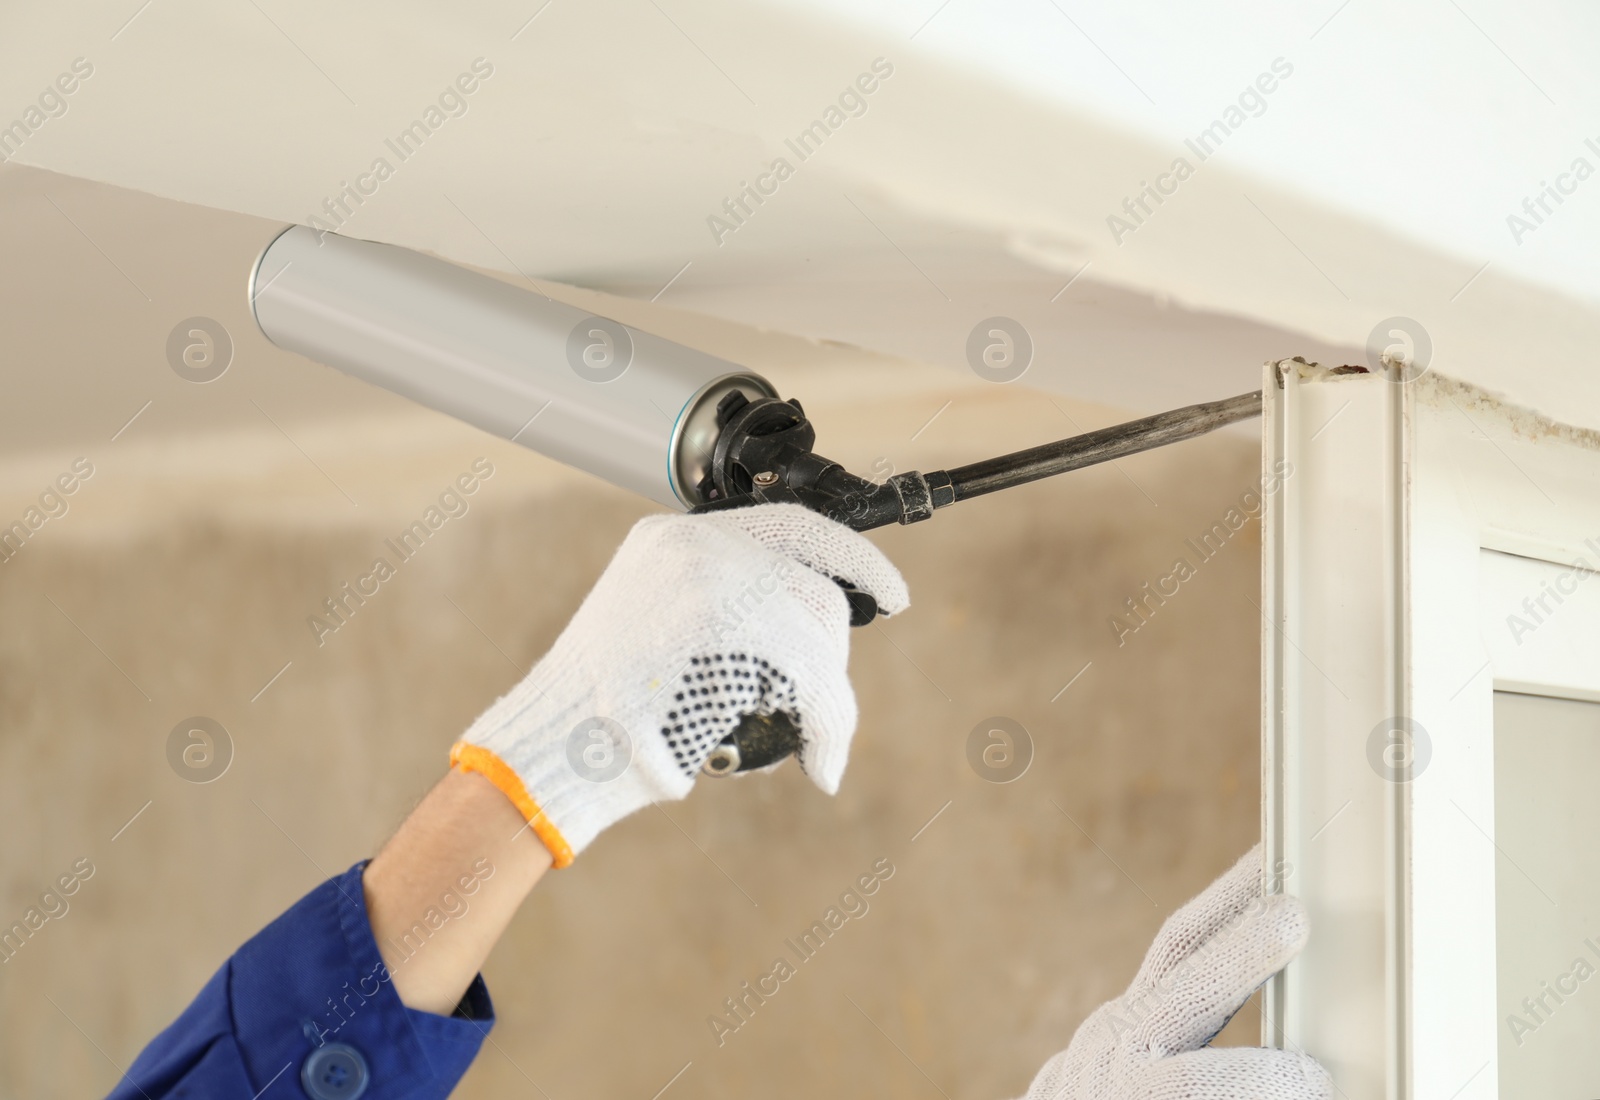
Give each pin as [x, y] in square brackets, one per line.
[1150, 1043]
[696, 621]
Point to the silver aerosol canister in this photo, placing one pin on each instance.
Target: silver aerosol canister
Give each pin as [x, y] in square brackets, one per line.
[629, 407]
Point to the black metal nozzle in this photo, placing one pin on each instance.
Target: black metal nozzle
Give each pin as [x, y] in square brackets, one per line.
[764, 453]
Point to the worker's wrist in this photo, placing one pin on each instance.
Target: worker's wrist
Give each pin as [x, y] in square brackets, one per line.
[475, 759]
[567, 802]
[462, 859]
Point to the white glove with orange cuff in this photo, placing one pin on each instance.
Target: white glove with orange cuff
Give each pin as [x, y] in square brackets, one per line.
[697, 621]
[1151, 1043]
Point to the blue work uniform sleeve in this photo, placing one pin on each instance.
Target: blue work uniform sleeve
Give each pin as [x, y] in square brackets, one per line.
[306, 1009]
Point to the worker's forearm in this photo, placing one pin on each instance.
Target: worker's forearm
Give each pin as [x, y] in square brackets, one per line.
[458, 867]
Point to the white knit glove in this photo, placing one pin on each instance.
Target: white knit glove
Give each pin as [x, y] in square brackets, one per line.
[697, 621]
[1150, 1043]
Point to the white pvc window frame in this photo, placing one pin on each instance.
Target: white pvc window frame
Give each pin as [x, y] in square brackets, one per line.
[1401, 510]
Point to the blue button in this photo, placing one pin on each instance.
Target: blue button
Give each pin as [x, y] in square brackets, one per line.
[334, 1072]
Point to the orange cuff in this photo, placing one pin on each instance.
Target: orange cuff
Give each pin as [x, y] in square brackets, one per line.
[476, 758]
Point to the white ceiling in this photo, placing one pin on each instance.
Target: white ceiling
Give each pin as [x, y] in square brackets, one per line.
[1374, 182]
[1432, 119]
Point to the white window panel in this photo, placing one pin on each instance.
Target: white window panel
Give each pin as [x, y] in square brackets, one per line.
[1412, 562]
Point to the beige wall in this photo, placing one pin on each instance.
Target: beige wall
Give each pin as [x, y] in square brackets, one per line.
[181, 578]
[1003, 924]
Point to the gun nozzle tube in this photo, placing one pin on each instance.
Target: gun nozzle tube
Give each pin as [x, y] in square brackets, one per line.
[629, 407]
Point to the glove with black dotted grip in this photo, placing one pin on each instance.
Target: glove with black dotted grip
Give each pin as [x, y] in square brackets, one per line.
[697, 621]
